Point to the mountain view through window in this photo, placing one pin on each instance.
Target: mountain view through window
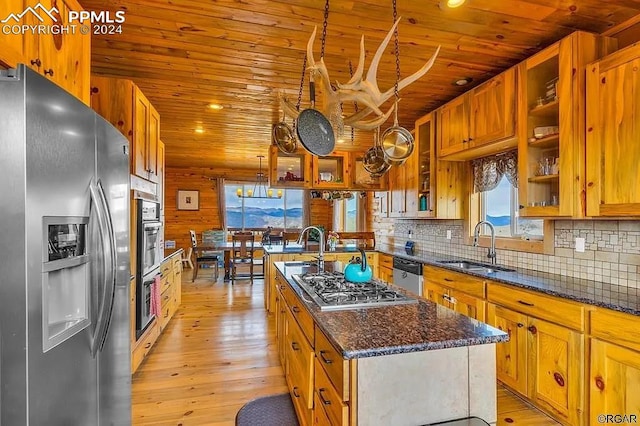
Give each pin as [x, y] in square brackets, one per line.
[256, 213]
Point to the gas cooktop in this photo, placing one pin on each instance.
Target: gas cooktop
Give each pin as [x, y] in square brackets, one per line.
[331, 291]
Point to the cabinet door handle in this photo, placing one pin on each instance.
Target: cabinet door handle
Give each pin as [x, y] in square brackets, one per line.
[295, 346]
[322, 398]
[449, 280]
[295, 392]
[558, 378]
[37, 62]
[49, 72]
[325, 359]
[147, 346]
[522, 302]
[295, 309]
[532, 329]
[600, 383]
[520, 325]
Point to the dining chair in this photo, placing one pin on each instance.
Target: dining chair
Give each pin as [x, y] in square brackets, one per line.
[288, 237]
[242, 252]
[186, 257]
[203, 257]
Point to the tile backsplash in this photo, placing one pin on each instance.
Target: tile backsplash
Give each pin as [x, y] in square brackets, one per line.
[612, 248]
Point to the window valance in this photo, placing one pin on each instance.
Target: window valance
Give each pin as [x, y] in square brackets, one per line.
[488, 171]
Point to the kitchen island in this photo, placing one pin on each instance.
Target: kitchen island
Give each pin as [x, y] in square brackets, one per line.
[406, 364]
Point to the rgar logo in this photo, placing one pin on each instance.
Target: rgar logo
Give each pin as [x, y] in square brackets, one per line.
[51, 13]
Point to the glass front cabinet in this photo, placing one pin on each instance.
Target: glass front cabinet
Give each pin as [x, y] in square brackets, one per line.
[551, 148]
[362, 179]
[332, 171]
[289, 170]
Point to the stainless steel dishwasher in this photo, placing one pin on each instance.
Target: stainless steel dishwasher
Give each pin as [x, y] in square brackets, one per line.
[408, 274]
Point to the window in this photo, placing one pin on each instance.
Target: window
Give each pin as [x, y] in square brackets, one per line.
[258, 213]
[346, 213]
[500, 207]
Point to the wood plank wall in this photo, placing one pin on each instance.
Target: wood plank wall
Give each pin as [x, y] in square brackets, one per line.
[321, 213]
[178, 223]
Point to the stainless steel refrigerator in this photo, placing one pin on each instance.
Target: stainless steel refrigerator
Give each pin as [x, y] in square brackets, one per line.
[64, 259]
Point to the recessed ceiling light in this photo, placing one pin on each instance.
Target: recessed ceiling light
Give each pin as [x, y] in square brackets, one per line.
[216, 107]
[462, 81]
[455, 3]
[199, 130]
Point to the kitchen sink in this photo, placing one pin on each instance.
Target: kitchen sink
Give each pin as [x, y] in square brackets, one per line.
[476, 267]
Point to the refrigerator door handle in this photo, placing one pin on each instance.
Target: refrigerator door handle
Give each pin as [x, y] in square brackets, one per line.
[104, 306]
[112, 282]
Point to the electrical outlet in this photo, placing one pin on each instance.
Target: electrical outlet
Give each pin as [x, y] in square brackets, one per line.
[580, 245]
[448, 234]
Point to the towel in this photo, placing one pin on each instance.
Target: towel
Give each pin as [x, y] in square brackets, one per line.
[156, 308]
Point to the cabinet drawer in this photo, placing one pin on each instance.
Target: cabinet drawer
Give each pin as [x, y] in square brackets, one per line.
[300, 354]
[301, 390]
[471, 285]
[336, 367]
[166, 268]
[165, 283]
[167, 296]
[328, 399]
[144, 345]
[385, 261]
[167, 313]
[537, 305]
[177, 263]
[300, 313]
[621, 329]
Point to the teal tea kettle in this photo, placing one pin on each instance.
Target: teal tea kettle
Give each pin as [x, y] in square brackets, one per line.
[357, 271]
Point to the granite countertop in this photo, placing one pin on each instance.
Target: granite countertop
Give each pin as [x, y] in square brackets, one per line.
[299, 248]
[374, 331]
[610, 296]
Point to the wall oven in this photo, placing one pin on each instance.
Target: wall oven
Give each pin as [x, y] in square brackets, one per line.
[148, 258]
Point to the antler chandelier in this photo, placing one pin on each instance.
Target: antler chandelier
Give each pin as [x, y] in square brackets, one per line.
[360, 88]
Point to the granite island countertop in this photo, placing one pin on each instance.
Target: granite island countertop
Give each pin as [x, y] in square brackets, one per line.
[610, 296]
[375, 331]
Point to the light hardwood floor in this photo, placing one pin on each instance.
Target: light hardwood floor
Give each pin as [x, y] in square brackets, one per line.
[218, 352]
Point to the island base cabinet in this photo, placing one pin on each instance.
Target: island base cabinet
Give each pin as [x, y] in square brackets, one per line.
[614, 380]
[328, 403]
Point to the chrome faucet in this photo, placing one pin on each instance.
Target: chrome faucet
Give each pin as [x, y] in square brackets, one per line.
[320, 249]
[476, 233]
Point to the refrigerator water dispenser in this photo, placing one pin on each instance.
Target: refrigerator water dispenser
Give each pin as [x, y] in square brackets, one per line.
[65, 279]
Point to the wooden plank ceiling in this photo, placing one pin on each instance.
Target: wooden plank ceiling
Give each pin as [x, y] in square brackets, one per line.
[187, 54]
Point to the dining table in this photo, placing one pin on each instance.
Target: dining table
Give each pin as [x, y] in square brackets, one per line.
[222, 246]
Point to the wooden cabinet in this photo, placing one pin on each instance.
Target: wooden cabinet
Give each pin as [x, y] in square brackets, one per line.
[145, 137]
[360, 178]
[614, 379]
[440, 184]
[385, 268]
[551, 150]
[63, 58]
[480, 117]
[459, 292]
[332, 171]
[453, 133]
[553, 374]
[511, 356]
[170, 300]
[124, 105]
[403, 184]
[289, 170]
[542, 360]
[14, 46]
[456, 300]
[612, 135]
[161, 185]
[614, 376]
